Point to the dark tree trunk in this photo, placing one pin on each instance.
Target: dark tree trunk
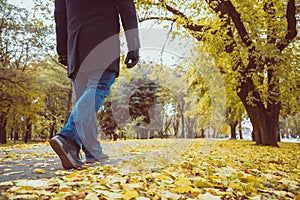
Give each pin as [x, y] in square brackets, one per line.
[265, 123]
[233, 130]
[202, 133]
[52, 128]
[253, 136]
[240, 130]
[16, 136]
[28, 131]
[3, 122]
[115, 137]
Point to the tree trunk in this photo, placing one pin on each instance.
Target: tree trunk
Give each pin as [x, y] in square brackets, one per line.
[28, 131]
[265, 124]
[175, 125]
[253, 136]
[52, 128]
[240, 130]
[233, 130]
[202, 133]
[189, 127]
[16, 136]
[3, 122]
[264, 118]
[182, 119]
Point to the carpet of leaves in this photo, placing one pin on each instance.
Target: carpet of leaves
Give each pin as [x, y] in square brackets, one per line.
[170, 169]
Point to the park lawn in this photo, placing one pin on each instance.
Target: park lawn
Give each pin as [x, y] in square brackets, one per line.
[175, 169]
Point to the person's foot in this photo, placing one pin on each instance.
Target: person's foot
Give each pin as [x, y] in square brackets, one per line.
[67, 152]
[101, 159]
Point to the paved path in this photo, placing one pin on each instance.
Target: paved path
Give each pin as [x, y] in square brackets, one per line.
[34, 161]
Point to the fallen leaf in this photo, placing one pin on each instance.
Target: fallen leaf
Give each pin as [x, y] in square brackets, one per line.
[25, 197]
[182, 181]
[130, 194]
[183, 189]
[202, 183]
[39, 171]
[7, 183]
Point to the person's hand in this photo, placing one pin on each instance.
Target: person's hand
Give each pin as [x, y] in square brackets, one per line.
[132, 58]
[63, 60]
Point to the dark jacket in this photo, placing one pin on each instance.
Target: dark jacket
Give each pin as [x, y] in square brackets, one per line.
[81, 25]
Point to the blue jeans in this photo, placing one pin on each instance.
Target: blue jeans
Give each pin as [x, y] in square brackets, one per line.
[91, 89]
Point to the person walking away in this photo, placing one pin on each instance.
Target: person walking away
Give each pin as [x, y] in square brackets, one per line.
[87, 36]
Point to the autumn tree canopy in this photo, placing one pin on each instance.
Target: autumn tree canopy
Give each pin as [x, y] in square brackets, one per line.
[254, 43]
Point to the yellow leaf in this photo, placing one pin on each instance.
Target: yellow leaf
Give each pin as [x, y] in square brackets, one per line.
[153, 185]
[130, 194]
[7, 183]
[64, 190]
[235, 186]
[39, 171]
[61, 195]
[183, 189]
[162, 177]
[62, 172]
[24, 190]
[182, 181]
[298, 197]
[199, 182]
[12, 155]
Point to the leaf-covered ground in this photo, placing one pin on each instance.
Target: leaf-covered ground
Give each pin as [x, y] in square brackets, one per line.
[156, 169]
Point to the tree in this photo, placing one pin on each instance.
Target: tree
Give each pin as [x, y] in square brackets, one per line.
[252, 42]
[21, 39]
[132, 97]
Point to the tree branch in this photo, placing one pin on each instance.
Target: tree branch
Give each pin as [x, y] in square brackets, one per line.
[227, 7]
[190, 24]
[291, 27]
[157, 18]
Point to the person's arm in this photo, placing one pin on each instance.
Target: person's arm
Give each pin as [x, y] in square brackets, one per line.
[60, 16]
[128, 16]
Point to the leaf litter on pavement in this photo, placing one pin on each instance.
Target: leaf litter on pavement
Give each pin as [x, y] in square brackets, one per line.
[170, 169]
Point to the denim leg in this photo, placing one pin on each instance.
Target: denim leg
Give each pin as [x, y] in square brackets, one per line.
[91, 145]
[81, 126]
